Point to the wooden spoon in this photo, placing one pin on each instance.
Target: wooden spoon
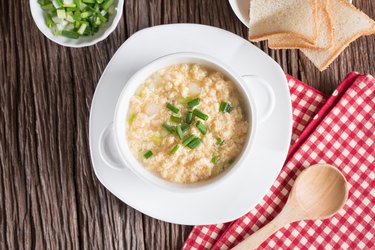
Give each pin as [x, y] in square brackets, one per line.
[318, 193]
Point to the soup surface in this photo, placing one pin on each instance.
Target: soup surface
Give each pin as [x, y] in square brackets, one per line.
[186, 123]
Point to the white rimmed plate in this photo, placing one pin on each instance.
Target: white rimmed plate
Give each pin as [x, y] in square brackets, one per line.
[244, 189]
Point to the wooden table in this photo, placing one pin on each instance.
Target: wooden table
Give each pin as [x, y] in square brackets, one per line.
[49, 195]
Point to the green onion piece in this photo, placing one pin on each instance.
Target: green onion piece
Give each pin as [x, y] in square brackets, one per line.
[194, 143]
[174, 149]
[88, 1]
[48, 7]
[231, 161]
[200, 114]
[168, 128]
[189, 117]
[70, 34]
[172, 108]
[156, 139]
[175, 119]
[69, 5]
[219, 142]
[61, 13]
[50, 23]
[82, 29]
[183, 100]
[225, 107]
[107, 4]
[201, 127]
[215, 159]
[185, 127]
[189, 139]
[194, 102]
[148, 154]
[179, 132]
[131, 118]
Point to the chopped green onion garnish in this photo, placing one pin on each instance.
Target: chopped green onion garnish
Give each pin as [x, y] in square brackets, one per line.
[179, 132]
[225, 107]
[185, 127]
[183, 100]
[168, 128]
[175, 119]
[156, 139]
[219, 141]
[201, 127]
[132, 117]
[187, 140]
[70, 34]
[194, 102]
[107, 4]
[200, 114]
[189, 117]
[194, 143]
[148, 154]
[215, 159]
[75, 18]
[172, 108]
[174, 149]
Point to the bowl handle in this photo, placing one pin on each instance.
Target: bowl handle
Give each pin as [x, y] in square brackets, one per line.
[263, 95]
[108, 150]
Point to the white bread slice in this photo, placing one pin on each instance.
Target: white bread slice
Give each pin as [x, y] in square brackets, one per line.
[270, 18]
[325, 33]
[349, 24]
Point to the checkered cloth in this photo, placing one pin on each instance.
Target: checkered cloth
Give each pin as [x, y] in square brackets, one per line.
[339, 130]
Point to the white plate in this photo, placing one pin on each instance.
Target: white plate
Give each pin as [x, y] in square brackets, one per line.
[241, 9]
[241, 191]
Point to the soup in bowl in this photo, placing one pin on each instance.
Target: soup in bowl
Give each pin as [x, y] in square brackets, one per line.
[185, 122]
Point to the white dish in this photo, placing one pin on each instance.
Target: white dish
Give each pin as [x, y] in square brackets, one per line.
[241, 9]
[243, 189]
[104, 31]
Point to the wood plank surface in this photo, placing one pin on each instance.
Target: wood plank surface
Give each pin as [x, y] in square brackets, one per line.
[49, 195]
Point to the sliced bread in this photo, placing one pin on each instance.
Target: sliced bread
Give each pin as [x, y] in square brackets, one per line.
[349, 24]
[272, 18]
[325, 33]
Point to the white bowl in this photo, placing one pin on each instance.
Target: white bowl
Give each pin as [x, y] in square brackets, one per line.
[119, 133]
[39, 17]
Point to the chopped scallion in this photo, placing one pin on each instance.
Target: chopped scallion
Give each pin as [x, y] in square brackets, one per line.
[168, 128]
[225, 107]
[200, 114]
[179, 132]
[189, 117]
[201, 127]
[172, 108]
[174, 149]
[219, 142]
[175, 119]
[187, 140]
[131, 118]
[194, 143]
[148, 154]
[70, 34]
[194, 103]
[185, 127]
[215, 159]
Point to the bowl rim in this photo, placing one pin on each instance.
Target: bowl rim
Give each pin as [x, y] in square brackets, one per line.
[39, 20]
[121, 112]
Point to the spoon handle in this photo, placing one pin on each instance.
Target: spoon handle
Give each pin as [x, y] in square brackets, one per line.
[285, 217]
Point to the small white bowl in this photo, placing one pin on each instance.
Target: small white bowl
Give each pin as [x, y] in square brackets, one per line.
[119, 123]
[39, 17]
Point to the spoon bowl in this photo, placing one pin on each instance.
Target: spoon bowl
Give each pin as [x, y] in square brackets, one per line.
[319, 192]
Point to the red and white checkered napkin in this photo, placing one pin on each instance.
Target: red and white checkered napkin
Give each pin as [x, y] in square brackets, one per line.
[339, 130]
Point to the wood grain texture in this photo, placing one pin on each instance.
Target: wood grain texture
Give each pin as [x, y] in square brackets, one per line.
[49, 195]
